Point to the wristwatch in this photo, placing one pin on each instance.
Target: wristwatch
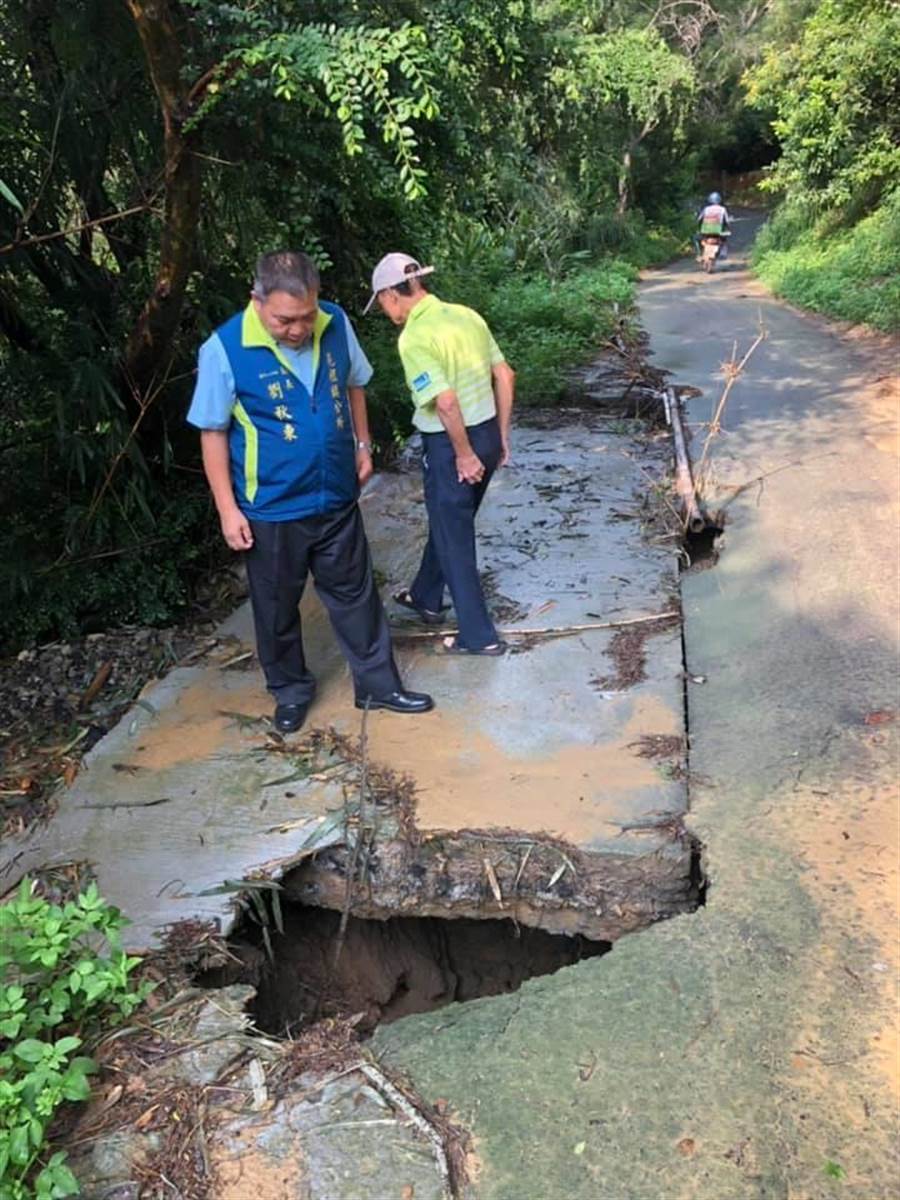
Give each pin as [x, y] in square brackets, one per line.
[367, 446]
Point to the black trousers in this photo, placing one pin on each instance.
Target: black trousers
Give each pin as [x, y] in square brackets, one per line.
[334, 549]
[450, 558]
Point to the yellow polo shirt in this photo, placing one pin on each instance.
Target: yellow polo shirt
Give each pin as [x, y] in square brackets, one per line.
[448, 347]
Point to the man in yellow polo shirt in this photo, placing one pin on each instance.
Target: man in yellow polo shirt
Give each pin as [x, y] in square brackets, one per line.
[462, 389]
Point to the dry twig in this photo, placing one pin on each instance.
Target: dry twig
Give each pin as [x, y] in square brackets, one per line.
[357, 845]
[552, 631]
[80, 228]
[399, 1101]
[732, 370]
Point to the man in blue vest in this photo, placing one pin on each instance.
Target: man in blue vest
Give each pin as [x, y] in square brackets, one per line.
[281, 407]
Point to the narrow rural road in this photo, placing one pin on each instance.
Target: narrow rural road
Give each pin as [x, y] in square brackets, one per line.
[749, 1049]
[744, 1050]
[794, 740]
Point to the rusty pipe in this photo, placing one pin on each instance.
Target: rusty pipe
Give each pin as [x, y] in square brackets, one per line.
[694, 519]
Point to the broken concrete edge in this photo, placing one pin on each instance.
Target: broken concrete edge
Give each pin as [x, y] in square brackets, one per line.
[453, 871]
[218, 1051]
[533, 879]
[539, 871]
[210, 1079]
[545, 885]
[523, 878]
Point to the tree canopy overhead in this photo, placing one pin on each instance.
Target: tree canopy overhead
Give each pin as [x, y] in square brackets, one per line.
[152, 148]
[836, 103]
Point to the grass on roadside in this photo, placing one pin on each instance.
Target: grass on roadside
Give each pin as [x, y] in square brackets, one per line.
[849, 273]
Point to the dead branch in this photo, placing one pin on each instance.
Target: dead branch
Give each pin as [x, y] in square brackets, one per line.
[144, 403]
[688, 21]
[553, 631]
[653, 483]
[737, 489]
[732, 370]
[357, 845]
[81, 228]
[63, 562]
[412, 1114]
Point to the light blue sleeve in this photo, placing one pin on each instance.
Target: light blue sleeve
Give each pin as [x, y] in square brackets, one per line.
[360, 367]
[214, 390]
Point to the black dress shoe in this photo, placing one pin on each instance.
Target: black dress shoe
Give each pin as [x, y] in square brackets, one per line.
[289, 717]
[399, 702]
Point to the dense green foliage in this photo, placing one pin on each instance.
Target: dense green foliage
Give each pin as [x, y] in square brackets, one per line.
[151, 152]
[544, 322]
[535, 150]
[834, 245]
[57, 990]
[852, 273]
[835, 93]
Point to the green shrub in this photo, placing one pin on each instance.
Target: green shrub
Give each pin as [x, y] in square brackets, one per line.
[643, 244]
[850, 272]
[146, 580]
[543, 326]
[57, 990]
[66, 568]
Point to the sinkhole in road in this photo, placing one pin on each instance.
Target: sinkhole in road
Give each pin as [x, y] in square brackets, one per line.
[386, 969]
[702, 549]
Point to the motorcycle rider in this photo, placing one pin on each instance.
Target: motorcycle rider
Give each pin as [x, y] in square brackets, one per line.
[714, 218]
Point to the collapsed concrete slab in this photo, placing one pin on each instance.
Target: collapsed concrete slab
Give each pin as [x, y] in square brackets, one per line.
[531, 792]
[203, 1106]
[748, 1050]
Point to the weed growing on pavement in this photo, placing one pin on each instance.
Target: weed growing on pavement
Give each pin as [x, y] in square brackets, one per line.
[59, 987]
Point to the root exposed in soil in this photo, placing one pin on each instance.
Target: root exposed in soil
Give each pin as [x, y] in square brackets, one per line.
[533, 879]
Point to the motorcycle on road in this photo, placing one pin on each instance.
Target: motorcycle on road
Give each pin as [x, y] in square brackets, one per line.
[711, 245]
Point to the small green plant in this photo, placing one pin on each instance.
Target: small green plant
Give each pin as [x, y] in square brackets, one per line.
[59, 985]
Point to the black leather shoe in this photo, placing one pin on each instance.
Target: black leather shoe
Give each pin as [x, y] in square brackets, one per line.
[289, 717]
[400, 702]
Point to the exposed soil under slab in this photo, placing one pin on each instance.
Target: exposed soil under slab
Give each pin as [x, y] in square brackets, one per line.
[391, 968]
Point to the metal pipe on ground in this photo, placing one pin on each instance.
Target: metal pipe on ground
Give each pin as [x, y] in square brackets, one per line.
[695, 520]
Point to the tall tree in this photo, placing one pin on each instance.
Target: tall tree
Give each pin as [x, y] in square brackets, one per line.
[622, 86]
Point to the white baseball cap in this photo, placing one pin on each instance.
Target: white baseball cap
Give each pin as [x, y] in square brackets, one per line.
[391, 270]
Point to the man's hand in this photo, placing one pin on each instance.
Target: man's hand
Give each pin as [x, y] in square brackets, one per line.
[364, 468]
[469, 468]
[236, 530]
[504, 452]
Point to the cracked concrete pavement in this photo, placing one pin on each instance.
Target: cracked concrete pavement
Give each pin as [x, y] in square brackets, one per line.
[188, 792]
[750, 1049]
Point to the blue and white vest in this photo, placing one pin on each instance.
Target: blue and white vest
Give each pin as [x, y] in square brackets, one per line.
[292, 451]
